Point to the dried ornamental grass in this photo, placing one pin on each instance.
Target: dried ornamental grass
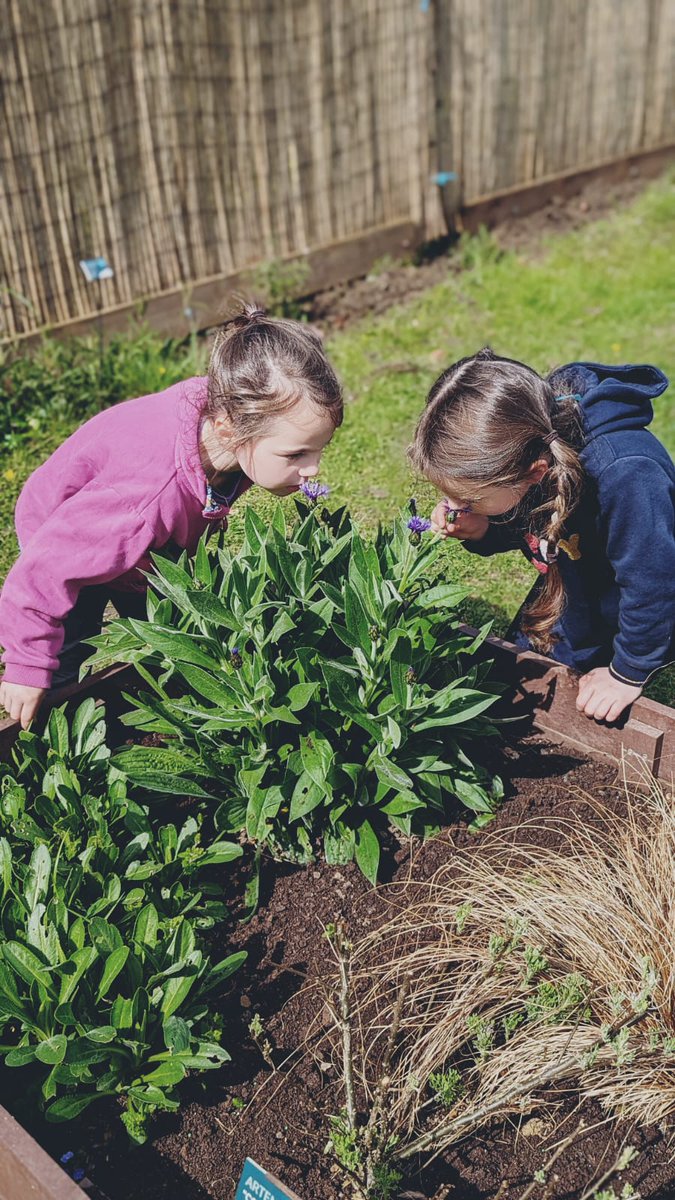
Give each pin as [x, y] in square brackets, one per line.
[527, 967]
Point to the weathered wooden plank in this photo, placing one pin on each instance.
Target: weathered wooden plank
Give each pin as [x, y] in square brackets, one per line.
[26, 1170]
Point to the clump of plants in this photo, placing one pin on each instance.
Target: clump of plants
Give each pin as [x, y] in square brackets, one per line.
[318, 686]
[523, 968]
[106, 986]
[72, 378]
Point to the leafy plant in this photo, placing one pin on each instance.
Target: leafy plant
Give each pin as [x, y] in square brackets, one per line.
[104, 982]
[318, 685]
[447, 1086]
[281, 283]
[76, 377]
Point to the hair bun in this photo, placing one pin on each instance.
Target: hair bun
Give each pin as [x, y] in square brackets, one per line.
[250, 314]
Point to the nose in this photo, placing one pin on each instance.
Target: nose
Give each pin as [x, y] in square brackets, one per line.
[309, 471]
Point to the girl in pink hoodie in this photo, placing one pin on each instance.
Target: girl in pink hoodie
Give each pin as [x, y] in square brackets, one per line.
[152, 472]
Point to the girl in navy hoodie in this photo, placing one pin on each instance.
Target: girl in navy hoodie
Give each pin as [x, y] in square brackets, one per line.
[565, 470]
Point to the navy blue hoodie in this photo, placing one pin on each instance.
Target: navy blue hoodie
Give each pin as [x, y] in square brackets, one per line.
[620, 578]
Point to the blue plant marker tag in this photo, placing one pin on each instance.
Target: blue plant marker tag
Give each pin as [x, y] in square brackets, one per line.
[96, 268]
[256, 1184]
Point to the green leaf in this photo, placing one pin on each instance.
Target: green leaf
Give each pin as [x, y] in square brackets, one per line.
[202, 564]
[176, 991]
[121, 1013]
[356, 617]
[57, 732]
[20, 1056]
[177, 647]
[306, 796]
[223, 969]
[462, 711]
[391, 774]
[219, 852]
[53, 1049]
[101, 1033]
[339, 845]
[5, 866]
[68, 1107]
[343, 695]
[72, 971]
[300, 695]
[445, 595]
[399, 665]
[317, 756]
[403, 803]
[210, 687]
[177, 1034]
[167, 1073]
[113, 965]
[37, 876]
[368, 851]
[146, 926]
[26, 964]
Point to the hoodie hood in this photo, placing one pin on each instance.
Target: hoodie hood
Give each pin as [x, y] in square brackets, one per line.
[612, 398]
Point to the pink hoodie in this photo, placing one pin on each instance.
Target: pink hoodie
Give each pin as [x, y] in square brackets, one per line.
[126, 483]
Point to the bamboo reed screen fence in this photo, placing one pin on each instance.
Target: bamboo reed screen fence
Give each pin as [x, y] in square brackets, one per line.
[186, 140]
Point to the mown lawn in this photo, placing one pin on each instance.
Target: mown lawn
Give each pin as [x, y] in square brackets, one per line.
[604, 293]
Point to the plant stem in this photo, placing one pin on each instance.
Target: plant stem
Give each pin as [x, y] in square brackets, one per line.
[343, 948]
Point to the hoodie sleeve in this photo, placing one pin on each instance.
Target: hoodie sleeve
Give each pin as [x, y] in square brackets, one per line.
[497, 540]
[637, 502]
[92, 537]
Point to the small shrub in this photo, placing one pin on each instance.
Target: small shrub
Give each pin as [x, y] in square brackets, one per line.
[319, 685]
[73, 378]
[104, 978]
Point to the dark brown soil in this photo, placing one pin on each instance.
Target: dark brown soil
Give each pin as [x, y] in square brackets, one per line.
[393, 282]
[280, 1118]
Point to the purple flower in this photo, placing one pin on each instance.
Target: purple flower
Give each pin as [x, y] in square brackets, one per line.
[419, 524]
[314, 490]
[78, 1174]
[65, 1158]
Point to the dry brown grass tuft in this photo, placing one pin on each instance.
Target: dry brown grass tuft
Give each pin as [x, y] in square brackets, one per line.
[559, 963]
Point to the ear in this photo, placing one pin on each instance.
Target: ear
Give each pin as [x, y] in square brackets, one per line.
[537, 471]
[222, 427]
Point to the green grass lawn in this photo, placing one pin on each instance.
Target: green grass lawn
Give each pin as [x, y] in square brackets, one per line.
[604, 293]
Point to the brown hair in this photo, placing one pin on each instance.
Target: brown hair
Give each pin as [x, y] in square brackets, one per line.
[260, 367]
[487, 421]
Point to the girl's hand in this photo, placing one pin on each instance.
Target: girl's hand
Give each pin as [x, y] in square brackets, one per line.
[603, 697]
[20, 701]
[468, 526]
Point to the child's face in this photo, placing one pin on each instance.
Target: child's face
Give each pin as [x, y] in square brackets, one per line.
[495, 501]
[290, 450]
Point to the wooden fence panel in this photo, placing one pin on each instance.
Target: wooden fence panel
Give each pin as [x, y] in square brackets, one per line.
[187, 140]
[535, 88]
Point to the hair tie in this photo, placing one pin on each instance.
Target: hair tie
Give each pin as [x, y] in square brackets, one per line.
[550, 437]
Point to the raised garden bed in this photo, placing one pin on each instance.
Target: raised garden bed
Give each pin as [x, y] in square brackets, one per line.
[279, 1114]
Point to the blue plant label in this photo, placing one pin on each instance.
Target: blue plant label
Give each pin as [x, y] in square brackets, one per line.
[256, 1184]
[96, 268]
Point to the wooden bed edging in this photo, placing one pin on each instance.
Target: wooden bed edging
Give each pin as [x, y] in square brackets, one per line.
[26, 1170]
[542, 693]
